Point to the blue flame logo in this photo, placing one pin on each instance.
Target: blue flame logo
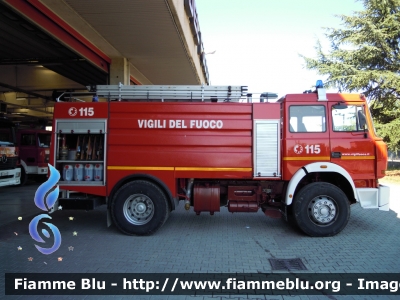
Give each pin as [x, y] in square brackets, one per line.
[40, 202]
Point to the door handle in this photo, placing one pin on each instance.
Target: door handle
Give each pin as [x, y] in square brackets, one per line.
[336, 154]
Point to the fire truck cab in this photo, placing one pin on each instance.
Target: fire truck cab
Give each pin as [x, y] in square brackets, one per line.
[143, 149]
[34, 152]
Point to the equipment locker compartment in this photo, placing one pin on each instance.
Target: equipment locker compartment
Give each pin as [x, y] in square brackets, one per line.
[80, 148]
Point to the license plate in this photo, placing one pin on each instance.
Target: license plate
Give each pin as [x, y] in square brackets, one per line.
[3, 173]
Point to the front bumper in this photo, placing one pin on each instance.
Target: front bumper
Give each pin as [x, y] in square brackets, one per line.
[37, 170]
[10, 177]
[374, 197]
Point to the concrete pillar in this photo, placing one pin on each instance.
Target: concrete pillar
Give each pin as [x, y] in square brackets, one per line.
[119, 71]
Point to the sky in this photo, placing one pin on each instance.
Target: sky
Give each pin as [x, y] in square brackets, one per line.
[257, 42]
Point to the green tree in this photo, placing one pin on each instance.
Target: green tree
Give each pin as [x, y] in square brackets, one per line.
[364, 56]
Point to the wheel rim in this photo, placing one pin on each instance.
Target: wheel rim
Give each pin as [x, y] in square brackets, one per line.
[138, 209]
[323, 210]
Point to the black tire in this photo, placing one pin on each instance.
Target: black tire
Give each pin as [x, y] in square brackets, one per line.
[321, 209]
[139, 208]
[24, 177]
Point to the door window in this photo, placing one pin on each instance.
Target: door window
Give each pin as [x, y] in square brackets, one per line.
[350, 118]
[28, 140]
[44, 139]
[307, 118]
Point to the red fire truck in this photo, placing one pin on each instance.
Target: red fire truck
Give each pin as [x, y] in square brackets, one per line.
[10, 171]
[33, 152]
[142, 149]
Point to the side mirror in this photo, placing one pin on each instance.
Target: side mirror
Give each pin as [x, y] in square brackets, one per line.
[361, 119]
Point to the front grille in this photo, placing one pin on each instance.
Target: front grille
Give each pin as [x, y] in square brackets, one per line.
[6, 177]
[11, 163]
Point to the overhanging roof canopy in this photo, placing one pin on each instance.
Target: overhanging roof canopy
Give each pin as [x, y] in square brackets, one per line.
[25, 43]
[79, 39]
[154, 35]
[160, 39]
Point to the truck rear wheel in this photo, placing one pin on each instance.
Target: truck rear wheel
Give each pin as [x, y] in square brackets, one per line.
[139, 207]
[321, 209]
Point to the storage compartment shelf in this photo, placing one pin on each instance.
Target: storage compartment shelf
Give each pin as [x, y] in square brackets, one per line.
[80, 152]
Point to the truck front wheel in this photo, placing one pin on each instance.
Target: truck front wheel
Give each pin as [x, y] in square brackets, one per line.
[139, 207]
[321, 209]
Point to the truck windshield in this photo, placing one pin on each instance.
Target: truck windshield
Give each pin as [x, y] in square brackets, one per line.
[7, 134]
[44, 139]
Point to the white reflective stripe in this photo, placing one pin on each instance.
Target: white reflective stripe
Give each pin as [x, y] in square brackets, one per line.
[316, 167]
